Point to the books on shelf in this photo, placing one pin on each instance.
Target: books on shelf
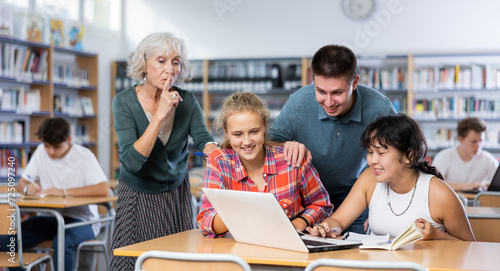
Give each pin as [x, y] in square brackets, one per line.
[458, 77]
[410, 235]
[57, 32]
[21, 158]
[80, 133]
[446, 137]
[22, 62]
[20, 100]
[383, 79]
[12, 132]
[254, 76]
[73, 105]
[6, 20]
[70, 75]
[456, 107]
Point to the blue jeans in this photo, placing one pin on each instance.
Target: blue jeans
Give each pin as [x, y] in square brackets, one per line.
[38, 229]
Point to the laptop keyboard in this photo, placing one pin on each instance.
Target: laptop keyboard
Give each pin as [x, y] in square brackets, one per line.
[316, 243]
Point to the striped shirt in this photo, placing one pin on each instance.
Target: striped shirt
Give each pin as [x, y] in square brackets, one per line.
[299, 191]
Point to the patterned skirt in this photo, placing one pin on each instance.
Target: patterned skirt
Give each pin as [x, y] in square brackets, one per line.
[141, 217]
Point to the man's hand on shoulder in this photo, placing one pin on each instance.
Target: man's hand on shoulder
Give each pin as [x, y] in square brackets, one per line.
[294, 153]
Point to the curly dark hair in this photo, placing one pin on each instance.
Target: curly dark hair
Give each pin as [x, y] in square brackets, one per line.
[404, 134]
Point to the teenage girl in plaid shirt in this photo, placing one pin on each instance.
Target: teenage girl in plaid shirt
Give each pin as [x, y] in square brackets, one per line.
[245, 162]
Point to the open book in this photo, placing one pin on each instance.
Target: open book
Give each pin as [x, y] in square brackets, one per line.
[410, 235]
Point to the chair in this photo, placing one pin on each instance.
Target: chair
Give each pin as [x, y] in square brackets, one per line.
[101, 244]
[21, 259]
[167, 260]
[363, 264]
[487, 199]
[463, 199]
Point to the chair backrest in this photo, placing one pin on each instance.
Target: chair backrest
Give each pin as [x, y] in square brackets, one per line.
[106, 226]
[10, 223]
[167, 260]
[323, 264]
[463, 199]
[487, 199]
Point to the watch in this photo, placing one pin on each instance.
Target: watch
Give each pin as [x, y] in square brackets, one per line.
[358, 9]
[213, 142]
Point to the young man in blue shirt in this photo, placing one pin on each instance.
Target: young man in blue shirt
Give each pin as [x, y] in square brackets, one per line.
[328, 117]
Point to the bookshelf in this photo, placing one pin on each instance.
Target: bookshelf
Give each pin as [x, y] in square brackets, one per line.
[119, 82]
[29, 84]
[388, 75]
[400, 77]
[445, 88]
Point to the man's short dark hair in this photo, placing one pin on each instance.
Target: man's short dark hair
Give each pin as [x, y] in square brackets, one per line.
[53, 131]
[334, 61]
[468, 124]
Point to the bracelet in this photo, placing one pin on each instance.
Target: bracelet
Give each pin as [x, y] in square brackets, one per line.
[65, 193]
[213, 142]
[305, 220]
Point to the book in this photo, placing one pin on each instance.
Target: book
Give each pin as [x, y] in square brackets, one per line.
[358, 237]
[410, 235]
[34, 27]
[6, 21]
[57, 32]
[74, 36]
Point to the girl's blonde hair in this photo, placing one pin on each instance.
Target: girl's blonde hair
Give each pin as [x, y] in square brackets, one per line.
[236, 103]
[158, 43]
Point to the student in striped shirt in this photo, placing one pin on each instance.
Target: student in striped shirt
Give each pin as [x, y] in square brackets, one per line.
[245, 162]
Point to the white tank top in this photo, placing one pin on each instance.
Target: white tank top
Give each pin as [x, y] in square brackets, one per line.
[383, 221]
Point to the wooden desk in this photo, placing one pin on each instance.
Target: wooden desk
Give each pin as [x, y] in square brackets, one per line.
[49, 205]
[485, 223]
[435, 255]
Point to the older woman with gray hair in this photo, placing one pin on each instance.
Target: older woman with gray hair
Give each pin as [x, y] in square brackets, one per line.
[153, 121]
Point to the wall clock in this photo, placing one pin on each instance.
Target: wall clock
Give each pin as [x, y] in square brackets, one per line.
[358, 9]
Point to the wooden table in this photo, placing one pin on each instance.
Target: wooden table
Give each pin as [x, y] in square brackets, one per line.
[435, 255]
[49, 205]
[485, 223]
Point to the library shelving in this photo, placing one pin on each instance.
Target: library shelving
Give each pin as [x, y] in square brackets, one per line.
[388, 75]
[418, 85]
[32, 76]
[445, 88]
[119, 82]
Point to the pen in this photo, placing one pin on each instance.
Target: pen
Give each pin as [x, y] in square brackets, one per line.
[201, 154]
[32, 181]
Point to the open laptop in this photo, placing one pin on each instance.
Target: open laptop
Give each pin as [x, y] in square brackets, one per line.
[494, 184]
[258, 219]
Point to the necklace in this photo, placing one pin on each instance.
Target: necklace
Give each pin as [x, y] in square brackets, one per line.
[411, 200]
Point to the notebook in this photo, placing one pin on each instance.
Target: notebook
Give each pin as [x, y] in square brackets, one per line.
[494, 185]
[258, 219]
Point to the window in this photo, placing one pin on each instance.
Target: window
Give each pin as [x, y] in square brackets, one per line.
[17, 3]
[67, 9]
[103, 13]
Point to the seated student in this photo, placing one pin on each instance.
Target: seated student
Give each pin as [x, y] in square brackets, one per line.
[466, 166]
[399, 187]
[68, 170]
[246, 163]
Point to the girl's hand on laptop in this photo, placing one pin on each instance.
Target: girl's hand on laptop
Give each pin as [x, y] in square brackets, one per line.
[323, 230]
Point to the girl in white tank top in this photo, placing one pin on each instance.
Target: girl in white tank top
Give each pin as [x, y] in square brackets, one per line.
[399, 187]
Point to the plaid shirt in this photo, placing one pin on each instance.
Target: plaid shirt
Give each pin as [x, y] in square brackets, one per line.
[299, 190]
